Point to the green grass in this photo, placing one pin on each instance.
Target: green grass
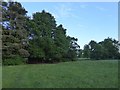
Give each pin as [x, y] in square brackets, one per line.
[0, 76]
[79, 74]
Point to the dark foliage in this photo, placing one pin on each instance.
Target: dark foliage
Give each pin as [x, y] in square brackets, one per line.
[39, 39]
[107, 49]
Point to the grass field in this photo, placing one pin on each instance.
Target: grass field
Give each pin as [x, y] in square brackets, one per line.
[0, 76]
[79, 74]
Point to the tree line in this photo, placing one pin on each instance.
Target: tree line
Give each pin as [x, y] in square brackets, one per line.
[34, 40]
[40, 40]
[106, 49]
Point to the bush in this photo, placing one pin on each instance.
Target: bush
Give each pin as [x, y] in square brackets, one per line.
[64, 60]
[24, 53]
[17, 60]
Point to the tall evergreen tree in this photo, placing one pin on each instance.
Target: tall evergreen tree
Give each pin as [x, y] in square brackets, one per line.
[49, 42]
[14, 34]
[86, 51]
[42, 42]
[73, 48]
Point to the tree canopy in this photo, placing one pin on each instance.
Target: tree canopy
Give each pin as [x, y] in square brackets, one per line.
[39, 38]
[107, 49]
[14, 34]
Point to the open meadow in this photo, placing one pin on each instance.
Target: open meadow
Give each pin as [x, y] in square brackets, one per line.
[77, 74]
[59, 44]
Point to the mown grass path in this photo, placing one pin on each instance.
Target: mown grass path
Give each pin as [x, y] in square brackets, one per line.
[79, 74]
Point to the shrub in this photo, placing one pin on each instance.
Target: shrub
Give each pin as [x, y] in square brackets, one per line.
[17, 60]
[24, 53]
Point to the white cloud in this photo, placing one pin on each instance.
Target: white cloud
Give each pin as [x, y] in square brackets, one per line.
[83, 6]
[64, 11]
[101, 8]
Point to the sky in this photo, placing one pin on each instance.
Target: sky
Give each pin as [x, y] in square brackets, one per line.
[84, 20]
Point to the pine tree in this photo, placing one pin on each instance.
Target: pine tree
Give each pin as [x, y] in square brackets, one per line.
[14, 34]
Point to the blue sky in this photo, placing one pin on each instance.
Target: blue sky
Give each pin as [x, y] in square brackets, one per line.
[83, 20]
